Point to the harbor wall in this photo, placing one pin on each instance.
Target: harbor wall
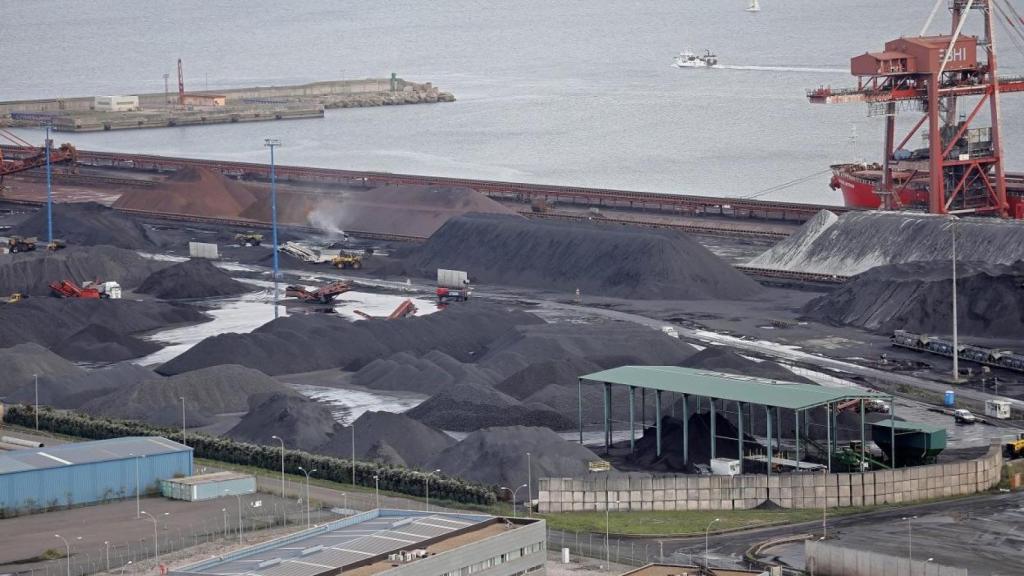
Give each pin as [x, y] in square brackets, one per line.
[804, 490]
[830, 559]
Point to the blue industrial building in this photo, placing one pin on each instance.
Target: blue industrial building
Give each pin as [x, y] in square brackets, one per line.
[88, 472]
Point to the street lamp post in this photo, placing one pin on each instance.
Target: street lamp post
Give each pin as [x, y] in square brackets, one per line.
[910, 537]
[529, 486]
[278, 438]
[67, 546]
[224, 511]
[125, 566]
[167, 99]
[426, 480]
[824, 507]
[344, 501]
[107, 544]
[307, 492]
[49, 189]
[707, 537]
[273, 143]
[607, 537]
[138, 487]
[376, 487]
[514, 495]
[352, 428]
[239, 496]
[183, 439]
[956, 344]
[36, 378]
[156, 536]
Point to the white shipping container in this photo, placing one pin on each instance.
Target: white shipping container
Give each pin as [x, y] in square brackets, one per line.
[452, 278]
[997, 409]
[202, 250]
[725, 467]
[116, 103]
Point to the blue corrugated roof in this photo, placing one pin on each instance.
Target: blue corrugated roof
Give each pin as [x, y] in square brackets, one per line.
[87, 452]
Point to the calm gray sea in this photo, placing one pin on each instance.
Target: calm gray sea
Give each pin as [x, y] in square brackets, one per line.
[569, 92]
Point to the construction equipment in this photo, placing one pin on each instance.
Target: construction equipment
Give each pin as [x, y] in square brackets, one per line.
[323, 295]
[55, 245]
[351, 261]
[16, 297]
[404, 310]
[249, 238]
[452, 286]
[29, 157]
[302, 252]
[1013, 446]
[69, 289]
[17, 244]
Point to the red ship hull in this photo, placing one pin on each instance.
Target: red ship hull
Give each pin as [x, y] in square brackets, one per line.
[858, 183]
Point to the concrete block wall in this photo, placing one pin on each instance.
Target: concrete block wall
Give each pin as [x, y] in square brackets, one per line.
[636, 491]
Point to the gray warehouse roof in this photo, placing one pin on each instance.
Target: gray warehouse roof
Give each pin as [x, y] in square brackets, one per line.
[86, 453]
[721, 386]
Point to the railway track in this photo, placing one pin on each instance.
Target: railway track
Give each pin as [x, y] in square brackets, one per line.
[707, 230]
[790, 275]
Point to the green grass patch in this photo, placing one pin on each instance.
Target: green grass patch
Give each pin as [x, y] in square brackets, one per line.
[684, 523]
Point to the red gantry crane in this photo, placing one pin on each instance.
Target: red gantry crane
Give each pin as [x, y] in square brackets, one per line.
[27, 156]
[961, 170]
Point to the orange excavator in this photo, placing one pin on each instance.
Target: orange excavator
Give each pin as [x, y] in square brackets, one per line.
[26, 156]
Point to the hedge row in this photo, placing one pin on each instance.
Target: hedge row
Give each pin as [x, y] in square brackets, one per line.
[394, 479]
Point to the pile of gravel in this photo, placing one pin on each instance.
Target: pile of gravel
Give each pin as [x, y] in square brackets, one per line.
[560, 373]
[426, 374]
[310, 342]
[22, 361]
[89, 224]
[918, 297]
[497, 456]
[391, 438]
[90, 330]
[73, 390]
[32, 272]
[208, 392]
[195, 278]
[597, 259]
[468, 406]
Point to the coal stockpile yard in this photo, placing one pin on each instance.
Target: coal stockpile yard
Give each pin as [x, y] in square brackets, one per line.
[195, 278]
[917, 296]
[91, 224]
[619, 261]
[32, 272]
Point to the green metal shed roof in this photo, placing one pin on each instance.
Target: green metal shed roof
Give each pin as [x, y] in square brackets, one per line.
[904, 426]
[721, 386]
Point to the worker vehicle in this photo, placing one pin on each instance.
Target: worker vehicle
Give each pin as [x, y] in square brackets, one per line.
[55, 245]
[249, 238]
[347, 261]
[17, 244]
[1013, 446]
[963, 416]
[452, 286]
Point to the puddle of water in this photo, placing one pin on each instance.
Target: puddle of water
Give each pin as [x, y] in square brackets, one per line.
[348, 404]
[239, 315]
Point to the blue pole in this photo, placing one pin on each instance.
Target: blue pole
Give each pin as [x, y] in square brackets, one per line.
[49, 191]
[273, 221]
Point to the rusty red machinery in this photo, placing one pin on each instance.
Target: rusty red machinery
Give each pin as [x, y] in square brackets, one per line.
[69, 289]
[322, 295]
[22, 155]
[952, 79]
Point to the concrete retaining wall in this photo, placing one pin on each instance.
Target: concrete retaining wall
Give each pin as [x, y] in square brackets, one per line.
[807, 490]
[826, 559]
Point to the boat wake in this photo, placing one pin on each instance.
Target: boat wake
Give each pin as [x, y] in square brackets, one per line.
[784, 69]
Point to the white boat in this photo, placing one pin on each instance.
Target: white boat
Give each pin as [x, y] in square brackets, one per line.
[687, 59]
[755, 6]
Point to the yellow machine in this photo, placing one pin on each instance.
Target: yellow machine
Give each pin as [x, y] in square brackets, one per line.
[347, 261]
[249, 239]
[56, 245]
[1015, 448]
[16, 297]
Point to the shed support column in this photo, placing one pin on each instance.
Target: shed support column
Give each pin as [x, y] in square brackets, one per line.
[768, 436]
[657, 421]
[862, 447]
[686, 429]
[579, 401]
[892, 429]
[714, 432]
[739, 437]
[643, 408]
[606, 386]
[828, 435]
[632, 429]
[796, 428]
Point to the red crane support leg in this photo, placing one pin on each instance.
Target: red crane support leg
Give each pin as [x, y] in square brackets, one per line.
[936, 193]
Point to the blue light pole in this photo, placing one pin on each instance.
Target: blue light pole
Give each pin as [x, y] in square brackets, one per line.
[49, 191]
[273, 143]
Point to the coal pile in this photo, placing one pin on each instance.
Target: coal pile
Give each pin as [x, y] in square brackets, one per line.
[195, 278]
[217, 390]
[497, 456]
[96, 343]
[599, 260]
[71, 391]
[427, 374]
[20, 362]
[89, 224]
[918, 297]
[90, 330]
[391, 438]
[858, 241]
[469, 406]
[31, 272]
[309, 342]
[729, 361]
[699, 443]
[563, 372]
[307, 424]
